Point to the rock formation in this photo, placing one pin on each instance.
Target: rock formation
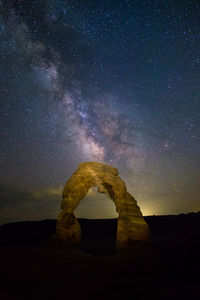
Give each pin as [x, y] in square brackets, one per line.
[131, 225]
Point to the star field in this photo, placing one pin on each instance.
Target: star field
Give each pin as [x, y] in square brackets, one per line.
[109, 81]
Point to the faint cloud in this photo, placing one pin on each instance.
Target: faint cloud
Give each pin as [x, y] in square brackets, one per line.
[17, 204]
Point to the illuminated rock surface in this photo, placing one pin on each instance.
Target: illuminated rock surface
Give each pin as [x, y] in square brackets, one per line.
[131, 224]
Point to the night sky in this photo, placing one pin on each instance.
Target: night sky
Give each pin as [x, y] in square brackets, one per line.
[99, 80]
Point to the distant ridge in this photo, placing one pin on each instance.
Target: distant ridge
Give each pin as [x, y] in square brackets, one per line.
[35, 231]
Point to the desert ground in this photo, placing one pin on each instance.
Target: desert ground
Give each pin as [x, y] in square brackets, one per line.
[34, 266]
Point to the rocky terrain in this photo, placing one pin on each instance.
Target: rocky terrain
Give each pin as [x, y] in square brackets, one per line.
[35, 267]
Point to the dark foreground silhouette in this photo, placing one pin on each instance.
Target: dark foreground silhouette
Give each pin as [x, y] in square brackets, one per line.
[33, 266]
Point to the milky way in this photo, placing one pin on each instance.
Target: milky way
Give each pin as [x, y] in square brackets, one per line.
[115, 82]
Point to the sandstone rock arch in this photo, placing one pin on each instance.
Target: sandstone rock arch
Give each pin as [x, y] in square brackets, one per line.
[131, 224]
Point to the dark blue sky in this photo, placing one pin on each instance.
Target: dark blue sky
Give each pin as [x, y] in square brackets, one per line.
[110, 81]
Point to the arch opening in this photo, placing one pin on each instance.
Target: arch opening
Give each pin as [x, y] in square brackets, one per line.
[97, 217]
[96, 205]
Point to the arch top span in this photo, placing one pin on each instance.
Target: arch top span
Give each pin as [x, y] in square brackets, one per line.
[131, 224]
